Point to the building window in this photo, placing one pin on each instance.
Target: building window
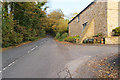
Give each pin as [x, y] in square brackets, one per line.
[84, 25]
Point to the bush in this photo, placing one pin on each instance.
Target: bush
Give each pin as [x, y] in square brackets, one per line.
[11, 39]
[98, 35]
[15, 39]
[72, 38]
[42, 33]
[57, 36]
[77, 37]
[63, 36]
[33, 38]
[116, 31]
[5, 42]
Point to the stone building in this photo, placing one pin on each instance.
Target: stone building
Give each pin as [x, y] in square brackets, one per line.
[100, 16]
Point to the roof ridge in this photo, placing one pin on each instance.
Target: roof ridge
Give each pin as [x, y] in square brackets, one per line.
[82, 10]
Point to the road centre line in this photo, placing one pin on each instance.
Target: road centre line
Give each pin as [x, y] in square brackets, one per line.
[16, 60]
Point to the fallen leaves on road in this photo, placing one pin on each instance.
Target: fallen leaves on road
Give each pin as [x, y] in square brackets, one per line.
[106, 67]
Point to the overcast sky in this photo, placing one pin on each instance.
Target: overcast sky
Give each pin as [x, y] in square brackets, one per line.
[68, 6]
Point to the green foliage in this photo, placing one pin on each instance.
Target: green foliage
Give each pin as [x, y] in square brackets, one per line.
[57, 22]
[77, 37]
[56, 14]
[60, 26]
[116, 31]
[15, 39]
[57, 36]
[33, 38]
[24, 22]
[42, 33]
[72, 38]
[64, 35]
[98, 35]
[28, 21]
[12, 39]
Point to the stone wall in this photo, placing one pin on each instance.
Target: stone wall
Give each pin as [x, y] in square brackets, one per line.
[112, 40]
[74, 28]
[98, 12]
[112, 15]
[119, 13]
[106, 16]
[88, 32]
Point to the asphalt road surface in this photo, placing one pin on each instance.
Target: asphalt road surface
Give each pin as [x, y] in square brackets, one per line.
[47, 58]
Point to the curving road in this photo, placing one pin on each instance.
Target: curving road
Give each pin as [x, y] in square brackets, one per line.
[47, 58]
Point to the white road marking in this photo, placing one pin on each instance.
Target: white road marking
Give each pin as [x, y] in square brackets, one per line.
[16, 60]
[11, 64]
[5, 68]
[8, 66]
[28, 51]
[32, 49]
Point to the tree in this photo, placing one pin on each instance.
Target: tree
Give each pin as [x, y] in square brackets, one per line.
[56, 14]
[74, 14]
[23, 21]
[60, 26]
[57, 23]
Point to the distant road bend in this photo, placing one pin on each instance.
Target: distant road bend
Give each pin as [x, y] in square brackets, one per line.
[47, 58]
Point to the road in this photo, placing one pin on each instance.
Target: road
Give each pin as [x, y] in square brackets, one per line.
[47, 58]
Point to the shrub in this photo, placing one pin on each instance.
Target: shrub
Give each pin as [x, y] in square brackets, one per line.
[77, 37]
[116, 31]
[57, 36]
[60, 39]
[5, 42]
[63, 36]
[15, 39]
[98, 35]
[72, 39]
[11, 39]
[33, 38]
[42, 33]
